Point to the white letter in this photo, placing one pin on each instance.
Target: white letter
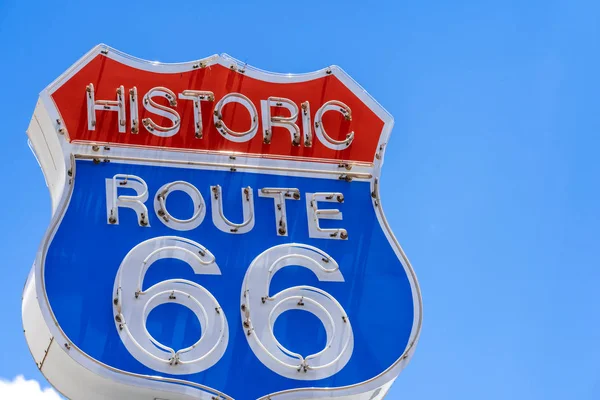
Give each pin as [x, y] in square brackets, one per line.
[161, 110]
[197, 96]
[306, 125]
[136, 203]
[280, 195]
[224, 129]
[314, 214]
[160, 206]
[333, 105]
[134, 115]
[284, 122]
[106, 105]
[219, 219]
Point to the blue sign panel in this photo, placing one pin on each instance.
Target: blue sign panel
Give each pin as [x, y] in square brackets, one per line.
[85, 255]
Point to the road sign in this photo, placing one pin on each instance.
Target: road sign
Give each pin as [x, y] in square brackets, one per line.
[217, 232]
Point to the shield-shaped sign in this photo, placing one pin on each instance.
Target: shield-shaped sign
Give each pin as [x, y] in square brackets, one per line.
[217, 232]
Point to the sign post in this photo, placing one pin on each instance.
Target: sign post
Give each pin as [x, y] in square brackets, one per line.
[217, 233]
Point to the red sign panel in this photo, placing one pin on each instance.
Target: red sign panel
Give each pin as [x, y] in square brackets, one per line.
[216, 108]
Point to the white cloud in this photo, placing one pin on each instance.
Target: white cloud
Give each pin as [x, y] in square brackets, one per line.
[21, 389]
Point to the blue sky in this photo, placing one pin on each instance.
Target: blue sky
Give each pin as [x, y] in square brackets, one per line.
[491, 180]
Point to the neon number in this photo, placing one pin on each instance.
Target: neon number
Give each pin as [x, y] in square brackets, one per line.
[132, 304]
[260, 310]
